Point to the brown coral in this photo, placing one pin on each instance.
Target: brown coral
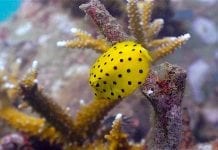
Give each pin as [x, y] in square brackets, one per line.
[164, 89]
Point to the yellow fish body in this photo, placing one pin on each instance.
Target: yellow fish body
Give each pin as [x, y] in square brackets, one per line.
[119, 71]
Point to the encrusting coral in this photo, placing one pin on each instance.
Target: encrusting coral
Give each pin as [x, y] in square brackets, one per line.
[164, 89]
[119, 71]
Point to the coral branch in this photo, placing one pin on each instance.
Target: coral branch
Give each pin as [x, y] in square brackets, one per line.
[30, 125]
[154, 29]
[107, 24]
[99, 45]
[160, 42]
[146, 13]
[164, 89]
[53, 113]
[85, 40]
[117, 139]
[135, 21]
[88, 118]
[169, 47]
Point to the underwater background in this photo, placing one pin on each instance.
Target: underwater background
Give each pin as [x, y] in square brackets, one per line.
[8, 8]
[31, 29]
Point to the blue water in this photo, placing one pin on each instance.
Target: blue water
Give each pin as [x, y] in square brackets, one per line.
[8, 8]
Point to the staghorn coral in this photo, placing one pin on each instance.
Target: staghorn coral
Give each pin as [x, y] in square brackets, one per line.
[9, 92]
[85, 40]
[79, 132]
[114, 33]
[116, 138]
[33, 126]
[161, 9]
[109, 83]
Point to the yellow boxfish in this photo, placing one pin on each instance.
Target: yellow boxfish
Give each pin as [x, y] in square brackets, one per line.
[119, 71]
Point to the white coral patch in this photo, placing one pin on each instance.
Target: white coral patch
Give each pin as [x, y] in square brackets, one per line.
[118, 116]
[35, 64]
[74, 30]
[61, 43]
[185, 37]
